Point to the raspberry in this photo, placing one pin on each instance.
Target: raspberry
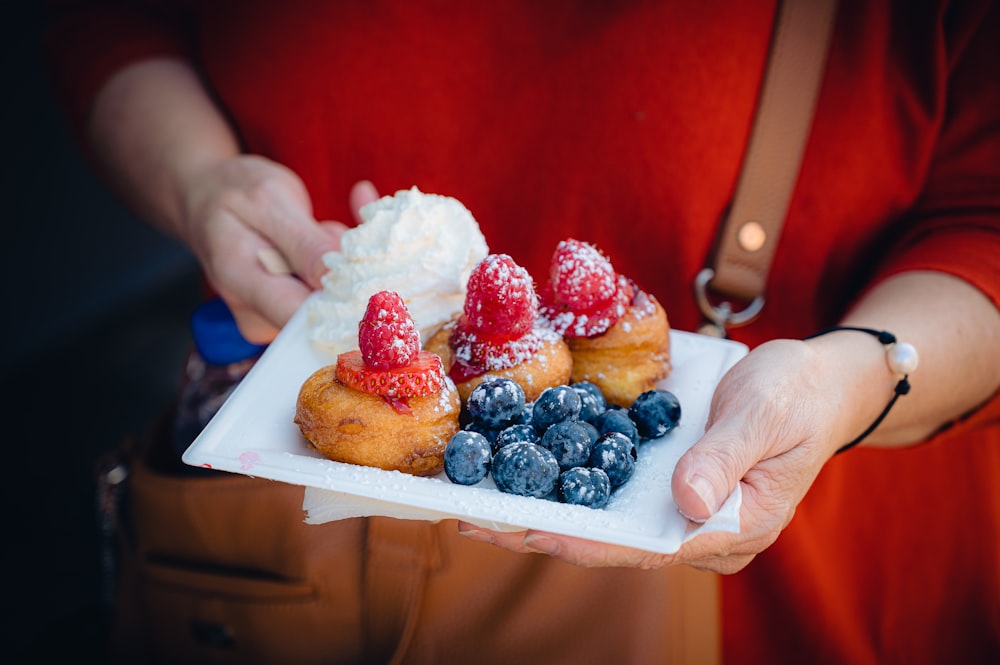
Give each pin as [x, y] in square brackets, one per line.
[387, 337]
[581, 277]
[584, 296]
[500, 300]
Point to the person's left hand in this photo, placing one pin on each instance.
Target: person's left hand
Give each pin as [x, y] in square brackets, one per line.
[775, 419]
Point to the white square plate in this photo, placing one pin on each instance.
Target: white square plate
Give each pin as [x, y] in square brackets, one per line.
[253, 434]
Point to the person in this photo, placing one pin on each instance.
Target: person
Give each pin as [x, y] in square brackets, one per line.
[238, 127]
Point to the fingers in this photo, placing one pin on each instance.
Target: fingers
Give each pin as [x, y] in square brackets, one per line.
[250, 222]
[334, 229]
[304, 242]
[575, 551]
[709, 471]
[362, 194]
[254, 327]
[762, 408]
[261, 299]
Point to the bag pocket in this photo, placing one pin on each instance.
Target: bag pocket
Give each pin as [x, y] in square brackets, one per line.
[220, 568]
[203, 617]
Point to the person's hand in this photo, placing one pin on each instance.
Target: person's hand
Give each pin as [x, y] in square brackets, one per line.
[248, 207]
[773, 423]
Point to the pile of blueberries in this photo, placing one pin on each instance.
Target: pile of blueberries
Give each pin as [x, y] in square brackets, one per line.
[569, 445]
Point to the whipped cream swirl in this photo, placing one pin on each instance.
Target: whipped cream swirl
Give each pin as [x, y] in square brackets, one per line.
[422, 246]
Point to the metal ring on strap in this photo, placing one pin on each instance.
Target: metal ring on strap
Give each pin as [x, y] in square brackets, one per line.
[722, 315]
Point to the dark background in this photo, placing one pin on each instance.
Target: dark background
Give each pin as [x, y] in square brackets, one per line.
[96, 308]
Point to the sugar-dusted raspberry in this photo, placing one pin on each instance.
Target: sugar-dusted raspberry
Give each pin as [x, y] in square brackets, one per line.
[584, 296]
[387, 337]
[501, 300]
[580, 275]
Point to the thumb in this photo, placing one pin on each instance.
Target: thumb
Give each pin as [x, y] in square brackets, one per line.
[709, 472]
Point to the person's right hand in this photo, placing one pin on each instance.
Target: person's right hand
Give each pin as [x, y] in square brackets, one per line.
[241, 206]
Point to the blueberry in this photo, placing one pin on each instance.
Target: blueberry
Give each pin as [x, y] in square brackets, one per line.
[569, 441]
[615, 453]
[513, 434]
[591, 430]
[526, 469]
[489, 432]
[585, 486]
[592, 402]
[655, 412]
[524, 418]
[554, 405]
[589, 387]
[494, 403]
[467, 458]
[617, 420]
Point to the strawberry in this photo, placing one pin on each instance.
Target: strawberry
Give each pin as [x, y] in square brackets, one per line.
[500, 301]
[584, 296]
[423, 376]
[476, 353]
[387, 337]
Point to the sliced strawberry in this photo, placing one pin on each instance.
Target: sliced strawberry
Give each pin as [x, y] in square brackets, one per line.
[476, 353]
[500, 299]
[423, 376]
[387, 337]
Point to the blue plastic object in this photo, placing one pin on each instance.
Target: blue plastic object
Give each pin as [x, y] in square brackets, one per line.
[217, 337]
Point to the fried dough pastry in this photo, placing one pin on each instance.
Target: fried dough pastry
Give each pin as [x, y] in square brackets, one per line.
[630, 357]
[348, 425]
[550, 366]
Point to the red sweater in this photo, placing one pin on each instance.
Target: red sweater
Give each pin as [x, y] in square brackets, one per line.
[624, 124]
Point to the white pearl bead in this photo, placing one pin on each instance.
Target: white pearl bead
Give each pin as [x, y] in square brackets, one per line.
[902, 358]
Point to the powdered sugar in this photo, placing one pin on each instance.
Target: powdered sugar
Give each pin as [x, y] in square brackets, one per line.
[584, 296]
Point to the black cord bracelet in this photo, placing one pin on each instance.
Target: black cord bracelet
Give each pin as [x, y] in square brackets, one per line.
[902, 359]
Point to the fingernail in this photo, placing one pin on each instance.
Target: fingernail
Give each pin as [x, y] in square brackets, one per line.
[273, 262]
[477, 535]
[703, 488]
[541, 544]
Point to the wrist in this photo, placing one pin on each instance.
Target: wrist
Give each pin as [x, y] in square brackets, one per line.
[880, 366]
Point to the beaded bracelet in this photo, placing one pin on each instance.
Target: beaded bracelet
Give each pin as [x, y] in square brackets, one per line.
[901, 358]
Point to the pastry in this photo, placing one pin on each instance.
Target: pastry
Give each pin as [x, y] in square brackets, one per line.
[618, 334]
[386, 404]
[499, 333]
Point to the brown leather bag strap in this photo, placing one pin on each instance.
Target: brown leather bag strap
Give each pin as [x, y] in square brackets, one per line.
[749, 234]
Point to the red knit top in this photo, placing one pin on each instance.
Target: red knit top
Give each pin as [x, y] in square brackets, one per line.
[624, 124]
